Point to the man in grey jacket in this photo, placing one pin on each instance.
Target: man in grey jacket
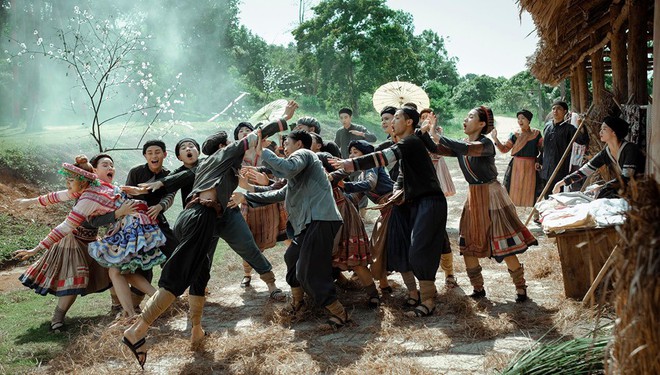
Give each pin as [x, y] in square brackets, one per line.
[315, 220]
[350, 132]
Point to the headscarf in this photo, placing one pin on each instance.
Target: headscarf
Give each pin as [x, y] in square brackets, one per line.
[182, 141]
[618, 125]
[363, 146]
[528, 115]
[242, 125]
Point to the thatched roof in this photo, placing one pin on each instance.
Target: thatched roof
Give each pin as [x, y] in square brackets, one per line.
[568, 31]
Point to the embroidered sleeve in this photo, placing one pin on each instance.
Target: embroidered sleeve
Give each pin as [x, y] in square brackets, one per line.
[479, 148]
[506, 147]
[588, 169]
[82, 209]
[57, 197]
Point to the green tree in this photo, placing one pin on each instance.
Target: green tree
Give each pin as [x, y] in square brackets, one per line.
[440, 97]
[475, 90]
[352, 46]
[434, 60]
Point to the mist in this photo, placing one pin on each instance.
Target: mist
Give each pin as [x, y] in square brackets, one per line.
[183, 50]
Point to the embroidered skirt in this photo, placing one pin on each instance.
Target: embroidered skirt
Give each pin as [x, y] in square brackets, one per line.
[444, 176]
[489, 225]
[353, 247]
[264, 223]
[378, 240]
[523, 185]
[133, 243]
[67, 269]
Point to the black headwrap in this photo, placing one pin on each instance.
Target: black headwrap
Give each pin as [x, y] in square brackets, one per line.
[182, 141]
[214, 141]
[618, 125]
[363, 146]
[528, 115]
[242, 125]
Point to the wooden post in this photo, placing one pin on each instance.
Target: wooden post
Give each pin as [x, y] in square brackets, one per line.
[618, 53]
[575, 93]
[598, 77]
[653, 144]
[583, 87]
[637, 52]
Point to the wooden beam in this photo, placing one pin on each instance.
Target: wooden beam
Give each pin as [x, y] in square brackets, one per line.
[653, 131]
[618, 53]
[583, 88]
[597, 77]
[637, 58]
[575, 93]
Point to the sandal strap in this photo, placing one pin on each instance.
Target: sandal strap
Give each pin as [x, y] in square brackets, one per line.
[423, 310]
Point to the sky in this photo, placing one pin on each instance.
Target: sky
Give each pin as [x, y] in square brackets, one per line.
[487, 36]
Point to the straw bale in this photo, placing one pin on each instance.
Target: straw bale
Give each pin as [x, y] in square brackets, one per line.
[635, 348]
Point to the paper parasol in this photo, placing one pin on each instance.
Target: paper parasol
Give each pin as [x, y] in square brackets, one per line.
[270, 112]
[397, 93]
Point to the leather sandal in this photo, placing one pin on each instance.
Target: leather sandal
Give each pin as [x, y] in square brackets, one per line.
[478, 294]
[336, 322]
[373, 302]
[521, 297]
[412, 302]
[421, 311]
[56, 327]
[450, 281]
[140, 356]
[246, 281]
[277, 295]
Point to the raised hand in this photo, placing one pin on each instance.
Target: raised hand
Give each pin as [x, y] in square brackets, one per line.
[257, 178]
[290, 110]
[341, 164]
[134, 190]
[151, 186]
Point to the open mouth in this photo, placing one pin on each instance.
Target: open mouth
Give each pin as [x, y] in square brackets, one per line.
[110, 175]
[189, 155]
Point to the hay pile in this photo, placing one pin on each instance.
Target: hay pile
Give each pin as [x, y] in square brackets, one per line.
[635, 349]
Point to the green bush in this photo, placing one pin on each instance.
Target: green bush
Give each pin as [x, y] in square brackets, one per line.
[29, 163]
[18, 234]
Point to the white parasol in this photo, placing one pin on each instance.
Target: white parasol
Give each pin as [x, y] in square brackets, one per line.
[270, 112]
[397, 93]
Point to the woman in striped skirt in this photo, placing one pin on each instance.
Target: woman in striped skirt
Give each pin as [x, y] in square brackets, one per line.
[489, 226]
[525, 145]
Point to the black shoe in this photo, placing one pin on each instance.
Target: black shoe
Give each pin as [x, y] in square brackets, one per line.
[387, 290]
[478, 294]
[521, 297]
[373, 302]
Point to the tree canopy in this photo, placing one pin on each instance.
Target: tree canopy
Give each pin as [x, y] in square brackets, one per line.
[351, 47]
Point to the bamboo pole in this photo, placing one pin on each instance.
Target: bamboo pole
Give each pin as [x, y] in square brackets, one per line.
[588, 297]
[561, 161]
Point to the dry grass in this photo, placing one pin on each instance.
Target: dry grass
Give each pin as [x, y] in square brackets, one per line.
[382, 341]
[637, 286]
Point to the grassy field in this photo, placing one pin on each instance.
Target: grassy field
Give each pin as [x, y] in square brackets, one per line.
[25, 337]
[18, 234]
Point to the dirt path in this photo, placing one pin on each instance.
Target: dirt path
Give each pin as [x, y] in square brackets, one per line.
[249, 334]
